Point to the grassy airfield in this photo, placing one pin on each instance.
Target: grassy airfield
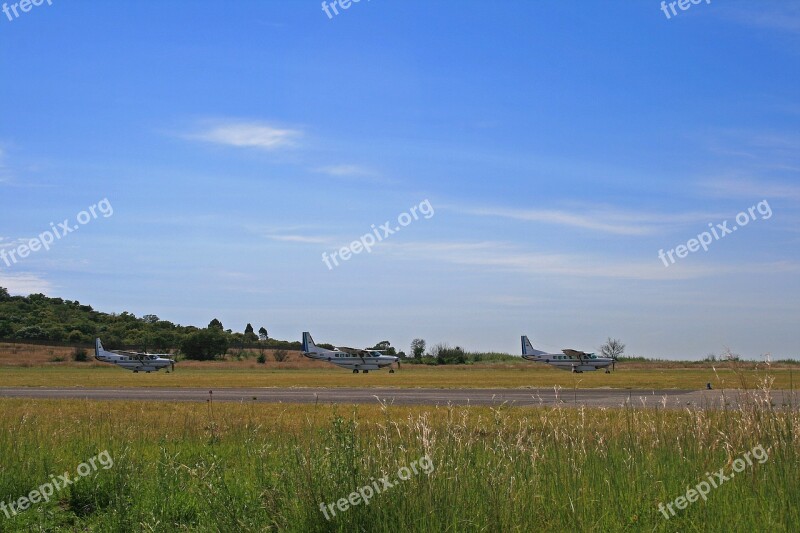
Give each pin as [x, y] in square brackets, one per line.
[246, 467]
[38, 366]
[268, 467]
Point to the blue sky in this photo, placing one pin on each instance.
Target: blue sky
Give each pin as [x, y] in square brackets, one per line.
[561, 144]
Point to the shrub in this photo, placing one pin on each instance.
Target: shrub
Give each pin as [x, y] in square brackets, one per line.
[205, 344]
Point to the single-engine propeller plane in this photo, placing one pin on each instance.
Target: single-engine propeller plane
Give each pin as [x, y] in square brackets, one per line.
[573, 360]
[135, 361]
[352, 358]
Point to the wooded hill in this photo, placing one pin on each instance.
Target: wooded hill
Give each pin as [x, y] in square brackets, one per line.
[54, 320]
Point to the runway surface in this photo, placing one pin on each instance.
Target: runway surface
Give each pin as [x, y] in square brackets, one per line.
[517, 397]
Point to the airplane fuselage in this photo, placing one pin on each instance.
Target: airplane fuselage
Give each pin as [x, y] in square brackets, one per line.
[587, 363]
[350, 358]
[364, 360]
[572, 360]
[135, 362]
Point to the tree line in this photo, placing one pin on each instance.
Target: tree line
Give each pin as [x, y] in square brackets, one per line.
[40, 318]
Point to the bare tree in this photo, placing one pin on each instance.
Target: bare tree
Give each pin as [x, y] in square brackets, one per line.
[613, 348]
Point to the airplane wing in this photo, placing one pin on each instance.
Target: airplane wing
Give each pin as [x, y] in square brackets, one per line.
[574, 353]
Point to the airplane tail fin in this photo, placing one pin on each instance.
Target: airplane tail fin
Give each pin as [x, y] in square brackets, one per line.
[308, 343]
[528, 349]
[98, 348]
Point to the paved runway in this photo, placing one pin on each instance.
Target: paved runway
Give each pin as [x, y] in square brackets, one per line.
[517, 397]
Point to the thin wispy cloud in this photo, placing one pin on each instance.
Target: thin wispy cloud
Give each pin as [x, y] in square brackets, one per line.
[23, 284]
[752, 189]
[352, 172]
[248, 135]
[4, 172]
[344, 170]
[297, 234]
[767, 149]
[7, 243]
[493, 256]
[300, 239]
[782, 15]
[606, 220]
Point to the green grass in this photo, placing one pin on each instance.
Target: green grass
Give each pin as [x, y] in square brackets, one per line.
[257, 467]
[463, 376]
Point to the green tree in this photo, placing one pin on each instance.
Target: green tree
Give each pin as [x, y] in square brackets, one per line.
[205, 344]
[262, 333]
[78, 337]
[385, 346]
[418, 347]
[31, 332]
[249, 334]
[216, 324]
[445, 355]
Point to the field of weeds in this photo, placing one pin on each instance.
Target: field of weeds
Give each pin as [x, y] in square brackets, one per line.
[257, 467]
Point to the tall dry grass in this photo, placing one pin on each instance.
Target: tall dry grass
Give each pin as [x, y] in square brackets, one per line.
[255, 467]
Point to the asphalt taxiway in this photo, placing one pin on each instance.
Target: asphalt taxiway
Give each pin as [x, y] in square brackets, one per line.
[670, 398]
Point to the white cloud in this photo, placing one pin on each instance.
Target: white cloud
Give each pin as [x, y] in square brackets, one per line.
[3, 169]
[748, 188]
[302, 239]
[7, 244]
[345, 170]
[248, 135]
[496, 256]
[352, 172]
[299, 234]
[776, 15]
[23, 284]
[607, 220]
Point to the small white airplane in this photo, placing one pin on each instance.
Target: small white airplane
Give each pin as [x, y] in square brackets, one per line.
[136, 361]
[364, 360]
[569, 359]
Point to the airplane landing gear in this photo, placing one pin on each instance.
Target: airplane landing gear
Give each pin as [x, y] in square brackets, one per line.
[355, 371]
[391, 370]
[135, 371]
[608, 371]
